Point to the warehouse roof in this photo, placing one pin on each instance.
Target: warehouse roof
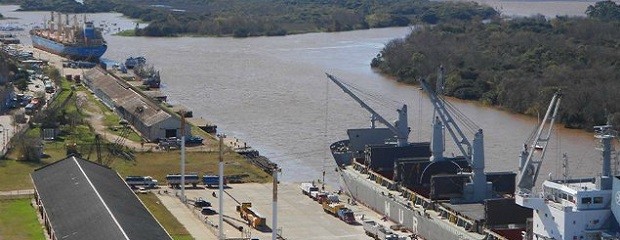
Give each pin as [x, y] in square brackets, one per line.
[123, 96]
[85, 200]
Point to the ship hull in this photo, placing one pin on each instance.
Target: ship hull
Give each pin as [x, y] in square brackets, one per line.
[341, 153]
[90, 53]
[427, 224]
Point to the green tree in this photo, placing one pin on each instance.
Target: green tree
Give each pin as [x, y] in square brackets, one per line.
[604, 10]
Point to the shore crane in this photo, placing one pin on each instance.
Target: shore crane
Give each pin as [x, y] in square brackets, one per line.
[400, 128]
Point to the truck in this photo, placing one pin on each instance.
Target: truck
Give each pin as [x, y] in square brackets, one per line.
[141, 181]
[307, 188]
[212, 180]
[333, 198]
[386, 234]
[174, 180]
[377, 231]
[49, 88]
[346, 215]
[253, 218]
[332, 208]
[319, 196]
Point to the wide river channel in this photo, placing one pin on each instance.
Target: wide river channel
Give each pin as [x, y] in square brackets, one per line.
[272, 92]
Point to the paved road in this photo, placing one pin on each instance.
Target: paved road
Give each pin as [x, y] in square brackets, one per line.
[189, 220]
[15, 194]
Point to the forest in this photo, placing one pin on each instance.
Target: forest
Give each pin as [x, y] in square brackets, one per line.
[518, 64]
[242, 18]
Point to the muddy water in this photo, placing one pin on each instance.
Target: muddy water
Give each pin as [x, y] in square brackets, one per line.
[273, 93]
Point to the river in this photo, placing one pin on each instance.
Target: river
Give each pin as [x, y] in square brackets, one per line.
[272, 92]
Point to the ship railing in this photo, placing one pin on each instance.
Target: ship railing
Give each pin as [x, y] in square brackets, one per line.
[417, 199]
[456, 218]
[491, 235]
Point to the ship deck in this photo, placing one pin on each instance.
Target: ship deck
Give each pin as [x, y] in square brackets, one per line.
[472, 211]
[448, 222]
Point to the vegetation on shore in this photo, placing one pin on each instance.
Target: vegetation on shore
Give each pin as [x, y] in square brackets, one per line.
[518, 64]
[241, 18]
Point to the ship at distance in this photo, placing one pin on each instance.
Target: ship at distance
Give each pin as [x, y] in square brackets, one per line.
[76, 41]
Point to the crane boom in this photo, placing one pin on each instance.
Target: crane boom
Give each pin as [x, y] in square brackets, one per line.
[401, 130]
[529, 165]
[461, 140]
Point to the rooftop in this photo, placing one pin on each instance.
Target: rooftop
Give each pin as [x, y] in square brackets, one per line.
[85, 200]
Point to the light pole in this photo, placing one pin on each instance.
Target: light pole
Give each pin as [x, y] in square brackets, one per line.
[221, 189]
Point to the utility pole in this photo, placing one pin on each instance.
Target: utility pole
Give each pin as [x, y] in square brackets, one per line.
[274, 231]
[183, 156]
[221, 190]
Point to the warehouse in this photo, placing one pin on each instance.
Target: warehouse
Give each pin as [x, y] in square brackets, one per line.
[146, 116]
[79, 199]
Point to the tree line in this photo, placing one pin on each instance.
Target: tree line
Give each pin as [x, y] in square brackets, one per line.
[518, 64]
[242, 18]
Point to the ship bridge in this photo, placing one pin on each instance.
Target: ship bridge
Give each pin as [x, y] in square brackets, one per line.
[578, 195]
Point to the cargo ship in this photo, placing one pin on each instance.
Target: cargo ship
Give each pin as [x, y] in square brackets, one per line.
[572, 208]
[415, 186]
[75, 41]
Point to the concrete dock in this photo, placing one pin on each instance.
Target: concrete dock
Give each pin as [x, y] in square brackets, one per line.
[299, 217]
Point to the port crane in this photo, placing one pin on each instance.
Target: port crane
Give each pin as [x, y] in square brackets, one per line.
[533, 152]
[400, 128]
[478, 188]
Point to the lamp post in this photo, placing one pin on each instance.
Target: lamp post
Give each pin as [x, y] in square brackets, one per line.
[221, 189]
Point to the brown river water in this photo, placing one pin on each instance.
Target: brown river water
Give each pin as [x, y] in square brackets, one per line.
[272, 92]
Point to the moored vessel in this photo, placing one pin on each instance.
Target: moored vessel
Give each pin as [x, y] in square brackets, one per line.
[414, 185]
[75, 41]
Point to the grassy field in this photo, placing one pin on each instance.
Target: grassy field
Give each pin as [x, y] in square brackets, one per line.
[165, 218]
[15, 175]
[19, 221]
[158, 164]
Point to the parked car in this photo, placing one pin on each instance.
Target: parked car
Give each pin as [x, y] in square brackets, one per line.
[193, 140]
[201, 203]
[208, 211]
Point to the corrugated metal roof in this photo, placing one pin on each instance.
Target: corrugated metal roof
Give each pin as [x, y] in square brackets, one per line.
[123, 96]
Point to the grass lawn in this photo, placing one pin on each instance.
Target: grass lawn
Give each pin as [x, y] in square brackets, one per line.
[19, 220]
[165, 218]
[15, 175]
[159, 164]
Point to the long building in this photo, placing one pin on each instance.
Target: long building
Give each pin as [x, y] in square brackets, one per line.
[79, 199]
[142, 113]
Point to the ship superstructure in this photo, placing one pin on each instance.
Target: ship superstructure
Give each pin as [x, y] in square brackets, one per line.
[570, 208]
[76, 41]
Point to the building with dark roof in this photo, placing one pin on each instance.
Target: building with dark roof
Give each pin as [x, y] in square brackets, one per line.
[79, 199]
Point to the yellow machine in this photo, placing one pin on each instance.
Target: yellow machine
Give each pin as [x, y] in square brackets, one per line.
[254, 219]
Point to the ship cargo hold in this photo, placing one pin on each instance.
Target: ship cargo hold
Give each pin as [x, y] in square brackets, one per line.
[76, 42]
[415, 186]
